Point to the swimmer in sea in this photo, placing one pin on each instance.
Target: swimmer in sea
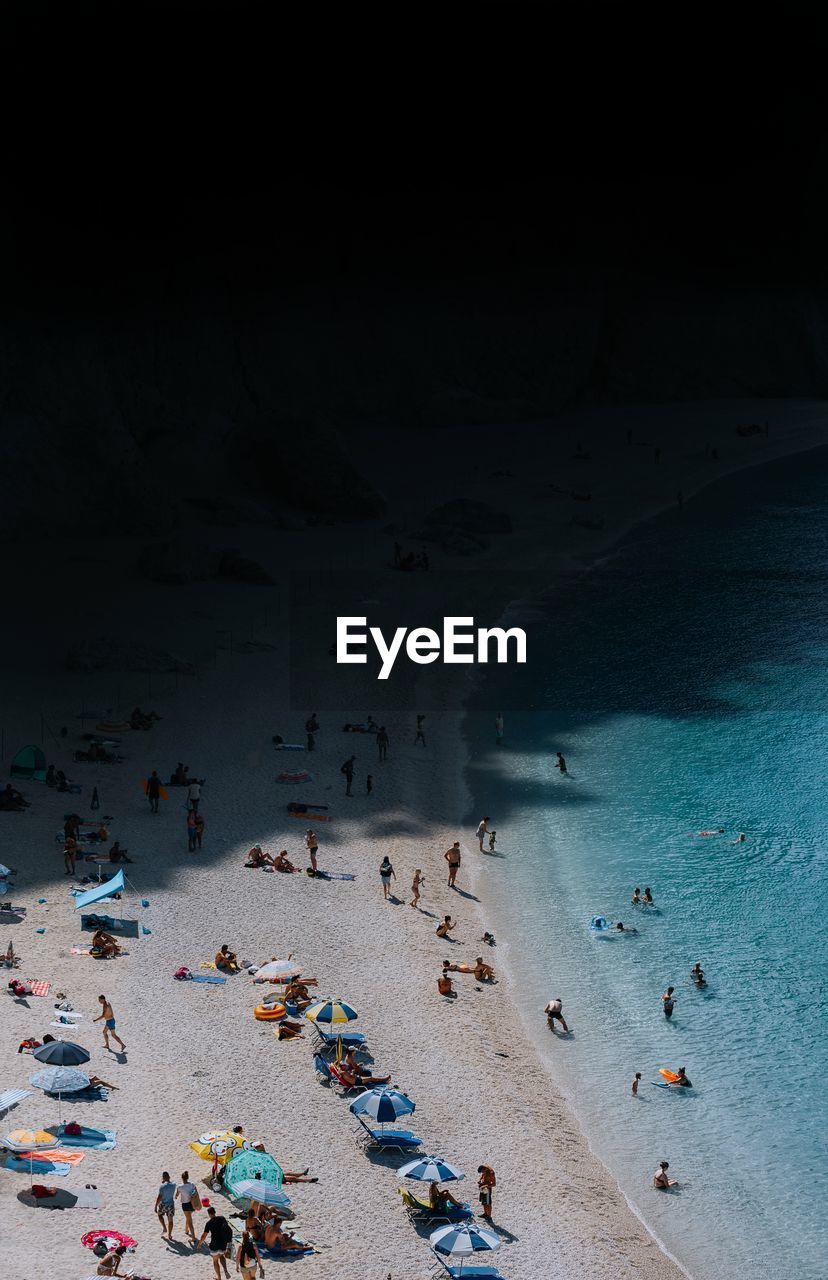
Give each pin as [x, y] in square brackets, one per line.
[740, 839]
[668, 1002]
[647, 900]
[717, 831]
[697, 974]
[636, 898]
[623, 928]
[682, 1082]
[560, 763]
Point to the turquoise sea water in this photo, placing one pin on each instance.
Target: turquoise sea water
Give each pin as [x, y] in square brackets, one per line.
[686, 681]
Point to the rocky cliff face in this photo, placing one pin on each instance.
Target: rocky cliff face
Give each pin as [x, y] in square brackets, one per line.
[132, 421]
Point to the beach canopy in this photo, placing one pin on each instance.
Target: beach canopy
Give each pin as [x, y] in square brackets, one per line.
[244, 1167]
[106, 890]
[29, 762]
[383, 1105]
[331, 1012]
[219, 1146]
[61, 1053]
[430, 1169]
[262, 1190]
[461, 1240]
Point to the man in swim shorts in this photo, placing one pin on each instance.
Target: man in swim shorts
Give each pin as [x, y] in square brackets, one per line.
[108, 1018]
[452, 857]
[554, 1014]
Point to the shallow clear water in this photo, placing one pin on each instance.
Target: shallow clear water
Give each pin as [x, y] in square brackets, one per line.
[686, 681]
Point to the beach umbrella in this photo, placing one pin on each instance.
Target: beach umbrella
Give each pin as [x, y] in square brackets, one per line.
[60, 1080]
[278, 969]
[430, 1169]
[463, 1240]
[298, 777]
[262, 1190]
[30, 1140]
[246, 1165]
[218, 1147]
[330, 1013]
[61, 1053]
[384, 1105]
[5, 871]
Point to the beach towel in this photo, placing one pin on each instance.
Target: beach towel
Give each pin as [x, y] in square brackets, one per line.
[54, 1154]
[89, 1197]
[335, 875]
[81, 951]
[39, 988]
[98, 1139]
[207, 977]
[206, 964]
[317, 817]
[288, 746]
[95, 1093]
[44, 1166]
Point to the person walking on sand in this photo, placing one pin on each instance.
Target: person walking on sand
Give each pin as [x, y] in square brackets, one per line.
[312, 846]
[348, 770]
[499, 729]
[199, 829]
[554, 1014]
[311, 729]
[165, 1206]
[452, 857]
[482, 830]
[636, 1079]
[153, 791]
[191, 830]
[369, 784]
[187, 1193]
[108, 1017]
[194, 795]
[248, 1258]
[420, 735]
[383, 742]
[386, 874]
[220, 1238]
[419, 879]
[661, 1182]
[668, 1002]
[485, 1182]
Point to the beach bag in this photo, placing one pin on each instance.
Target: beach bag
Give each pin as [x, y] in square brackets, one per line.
[195, 1201]
[182, 973]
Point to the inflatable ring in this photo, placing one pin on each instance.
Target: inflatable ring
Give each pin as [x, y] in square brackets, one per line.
[269, 1012]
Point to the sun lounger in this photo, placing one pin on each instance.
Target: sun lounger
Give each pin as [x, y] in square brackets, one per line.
[472, 1271]
[11, 1097]
[421, 1211]
[350, 1039]
[338, 1078]
[387, 1139]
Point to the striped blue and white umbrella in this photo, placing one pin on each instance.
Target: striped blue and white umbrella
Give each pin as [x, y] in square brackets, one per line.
[430, 1169]
[383, 1105]
[330, 1012]
[262, 1190]
[462, 1240]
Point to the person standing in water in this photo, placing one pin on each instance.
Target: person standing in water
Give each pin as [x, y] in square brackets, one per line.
[560, 763]
[348, 770]
[635, 1084]
[482, 830]
[554, 1014]
[420, 735]
[499, 729]
[668, 1002]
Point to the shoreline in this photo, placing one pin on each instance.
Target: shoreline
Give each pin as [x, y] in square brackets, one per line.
[195, 1056]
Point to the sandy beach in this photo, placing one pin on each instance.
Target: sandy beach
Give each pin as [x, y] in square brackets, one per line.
[196, 1060]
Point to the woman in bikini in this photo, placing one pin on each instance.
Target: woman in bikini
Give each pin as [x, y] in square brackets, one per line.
[248, 1258]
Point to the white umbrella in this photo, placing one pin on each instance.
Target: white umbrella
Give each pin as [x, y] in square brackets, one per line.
[60, 1080]
[279, 969]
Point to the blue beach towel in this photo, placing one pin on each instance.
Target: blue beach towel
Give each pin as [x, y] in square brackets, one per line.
[39, 1166]
[92, 1094]
[99, 1139]
[207, 977]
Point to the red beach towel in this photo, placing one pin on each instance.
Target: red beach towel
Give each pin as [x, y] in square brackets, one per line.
[38, 987]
